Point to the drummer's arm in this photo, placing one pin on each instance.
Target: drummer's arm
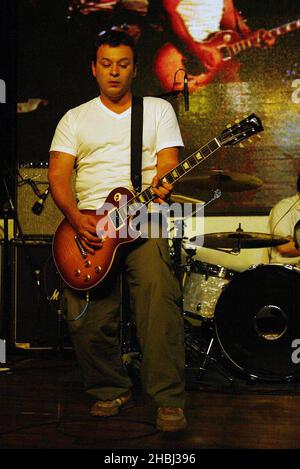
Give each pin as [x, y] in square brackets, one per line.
[288, 249]
[281, 225]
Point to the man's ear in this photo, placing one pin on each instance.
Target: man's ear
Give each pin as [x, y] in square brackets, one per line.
[93, 66]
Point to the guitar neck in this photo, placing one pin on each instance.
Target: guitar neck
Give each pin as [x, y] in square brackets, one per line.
[148, 195]
[232, 135]
[252, 41]
[286, 28]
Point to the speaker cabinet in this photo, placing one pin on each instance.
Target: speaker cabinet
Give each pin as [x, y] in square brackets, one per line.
[37, 322]
[2, 319]
[46, 223]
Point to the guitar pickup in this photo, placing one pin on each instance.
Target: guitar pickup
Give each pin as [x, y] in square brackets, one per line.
[80, 247]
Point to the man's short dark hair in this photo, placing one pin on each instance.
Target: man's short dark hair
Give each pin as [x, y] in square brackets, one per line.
[114, 38]
[298, 183]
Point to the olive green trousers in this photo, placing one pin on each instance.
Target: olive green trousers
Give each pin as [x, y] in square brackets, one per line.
[155, 297]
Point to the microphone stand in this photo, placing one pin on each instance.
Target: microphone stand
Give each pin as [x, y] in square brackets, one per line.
[4, 322]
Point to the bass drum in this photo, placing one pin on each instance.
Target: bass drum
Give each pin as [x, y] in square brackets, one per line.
[257, 320]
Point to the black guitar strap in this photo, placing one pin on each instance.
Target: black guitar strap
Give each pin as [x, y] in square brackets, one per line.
[136, 142]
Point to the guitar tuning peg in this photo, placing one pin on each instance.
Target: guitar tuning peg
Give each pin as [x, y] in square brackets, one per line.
[237, 121]
[228, 126]
[259, 136]
[250, 140]
[241, 145]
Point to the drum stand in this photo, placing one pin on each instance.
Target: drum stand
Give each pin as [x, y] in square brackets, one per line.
[182, 270]
[207, 358]
[205, 354]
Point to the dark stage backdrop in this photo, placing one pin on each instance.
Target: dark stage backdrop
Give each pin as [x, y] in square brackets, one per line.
[7, 102]
[54, 51]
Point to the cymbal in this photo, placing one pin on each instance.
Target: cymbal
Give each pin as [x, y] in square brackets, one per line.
[226, 181]
[183, 199]
[237, 239]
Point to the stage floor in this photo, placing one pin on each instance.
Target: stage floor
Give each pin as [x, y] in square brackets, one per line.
[43, 405]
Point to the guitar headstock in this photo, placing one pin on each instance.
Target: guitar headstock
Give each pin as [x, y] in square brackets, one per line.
[244, 129]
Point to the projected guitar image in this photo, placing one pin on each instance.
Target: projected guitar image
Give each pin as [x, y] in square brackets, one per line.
[215, 54]
[82, 270]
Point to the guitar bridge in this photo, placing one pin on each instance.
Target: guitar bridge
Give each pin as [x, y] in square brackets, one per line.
[80, 247]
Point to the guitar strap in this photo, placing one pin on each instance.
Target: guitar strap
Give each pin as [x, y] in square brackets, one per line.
[237, 22]
[136, 142]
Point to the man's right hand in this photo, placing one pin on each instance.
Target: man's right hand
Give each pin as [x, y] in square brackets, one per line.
[85, 226]
[210, 57]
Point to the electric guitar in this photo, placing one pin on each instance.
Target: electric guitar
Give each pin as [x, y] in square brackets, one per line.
[226, 43]
[82, 270]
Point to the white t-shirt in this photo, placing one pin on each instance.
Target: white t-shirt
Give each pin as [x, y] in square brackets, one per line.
[289, 210]
[201, 18]
[100, 140]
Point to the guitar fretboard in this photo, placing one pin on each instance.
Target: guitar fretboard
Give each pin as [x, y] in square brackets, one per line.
[286, 28]
[146, 196]
[249, 42]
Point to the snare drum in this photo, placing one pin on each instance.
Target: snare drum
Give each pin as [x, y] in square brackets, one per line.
[203, 284]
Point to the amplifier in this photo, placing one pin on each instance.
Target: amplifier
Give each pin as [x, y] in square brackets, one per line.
[37, 321]
[50, 217]
[3, 322]
[2, 319]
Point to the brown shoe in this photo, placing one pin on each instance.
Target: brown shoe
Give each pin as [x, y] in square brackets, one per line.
[109, 408]
[170, 419]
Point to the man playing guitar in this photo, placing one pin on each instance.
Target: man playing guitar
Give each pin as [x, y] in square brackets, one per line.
[95, 138]
[195, 24]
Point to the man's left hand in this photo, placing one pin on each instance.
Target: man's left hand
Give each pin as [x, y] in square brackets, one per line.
[264, 38]
[163, 191]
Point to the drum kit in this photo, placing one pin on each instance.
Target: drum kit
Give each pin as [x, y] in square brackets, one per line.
[252, 317]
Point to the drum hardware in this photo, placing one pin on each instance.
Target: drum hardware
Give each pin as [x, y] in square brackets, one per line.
[203, 353]
[202, 285]
[182, 199]
[226, 181]
[191, 252]
[237, 240]
[179, 224]
[185, 270]
[200, 205]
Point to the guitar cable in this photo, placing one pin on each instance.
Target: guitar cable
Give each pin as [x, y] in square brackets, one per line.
[84, 310]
